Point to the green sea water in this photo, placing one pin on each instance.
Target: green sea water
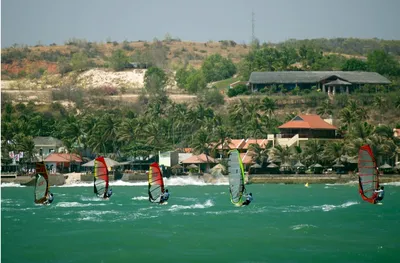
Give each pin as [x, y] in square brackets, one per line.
[284, 223]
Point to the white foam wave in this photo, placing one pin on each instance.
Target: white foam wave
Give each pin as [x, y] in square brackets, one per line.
[328, 208]
[93, 199]
[347, 183]
[88, 218]
[301, 226]
[392, 183]
[97, 213]
[123, 183]
[76, 204]
[188, 199]
[140, 198]
[207, 204]
[190, 180]
[223, 212]
[325, 207]
[7, 201]
[11, 185]
[77, 184]
[184, 181]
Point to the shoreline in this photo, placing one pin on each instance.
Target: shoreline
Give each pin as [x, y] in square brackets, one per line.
[69, 179]
[316, 179]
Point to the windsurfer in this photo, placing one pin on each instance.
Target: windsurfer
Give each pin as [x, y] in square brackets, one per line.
[164, 196]
[380, 194]
[249, 198]
[108, 194]
[49, 198]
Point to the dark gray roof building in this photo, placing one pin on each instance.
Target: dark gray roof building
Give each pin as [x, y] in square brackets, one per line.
[329, 81]
[282, 77]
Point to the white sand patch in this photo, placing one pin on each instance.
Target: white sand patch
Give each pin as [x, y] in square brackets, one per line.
[99, 78]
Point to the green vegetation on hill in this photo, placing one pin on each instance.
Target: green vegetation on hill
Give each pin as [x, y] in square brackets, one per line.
[158, 124]
[155, 123]
[350, 46]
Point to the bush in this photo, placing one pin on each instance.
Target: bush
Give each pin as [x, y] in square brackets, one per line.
[126, 46]
[212, 97]
[216, 67]
[118, 60]
[314, 99]
[239, 89]
[80, 61]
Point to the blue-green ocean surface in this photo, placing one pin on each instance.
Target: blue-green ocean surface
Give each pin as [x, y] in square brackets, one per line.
[285, 223]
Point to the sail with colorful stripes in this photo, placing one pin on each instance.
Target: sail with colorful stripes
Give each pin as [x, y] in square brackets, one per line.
[156, 183]
[367, 174]
[236, 177]
[41, 183]
[101, 179]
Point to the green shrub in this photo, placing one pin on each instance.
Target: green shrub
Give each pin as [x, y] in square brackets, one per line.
[237, 90]
[212, 97]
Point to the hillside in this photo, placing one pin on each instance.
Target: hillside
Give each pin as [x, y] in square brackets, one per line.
[23, 61]
[80, 72]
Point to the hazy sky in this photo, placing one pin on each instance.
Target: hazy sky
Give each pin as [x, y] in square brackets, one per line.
[55, 21]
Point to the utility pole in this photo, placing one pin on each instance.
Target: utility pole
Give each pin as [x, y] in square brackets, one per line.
[253, 37]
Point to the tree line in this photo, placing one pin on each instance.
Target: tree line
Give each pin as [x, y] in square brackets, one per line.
[158, 124]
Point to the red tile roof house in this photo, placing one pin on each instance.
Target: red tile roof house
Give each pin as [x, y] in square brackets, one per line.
[242, 145]
[63, 162]
[203, 161]
[308, 126]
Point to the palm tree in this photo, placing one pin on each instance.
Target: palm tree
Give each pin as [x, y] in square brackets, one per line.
[378, 146]
[333, 151]
[297, 153]
[397, 103]
[72, 132]
[281, 153]
[347, 116]
[325, 109]
[259, 154]
[268, 105]
[127, 130]
[221, 136]
[380, 104]
[387, 132]
[361, 130]
[155, 137]
[202, 143]
[104, 134]
[313, 151]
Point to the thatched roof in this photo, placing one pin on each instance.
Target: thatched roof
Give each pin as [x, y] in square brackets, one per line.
[337, 165]
[109, 162]
[272, 165]
[317, 165]
[282, 77]
[256, 165]
[385, 166]
[299, 164]
[219, 167]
